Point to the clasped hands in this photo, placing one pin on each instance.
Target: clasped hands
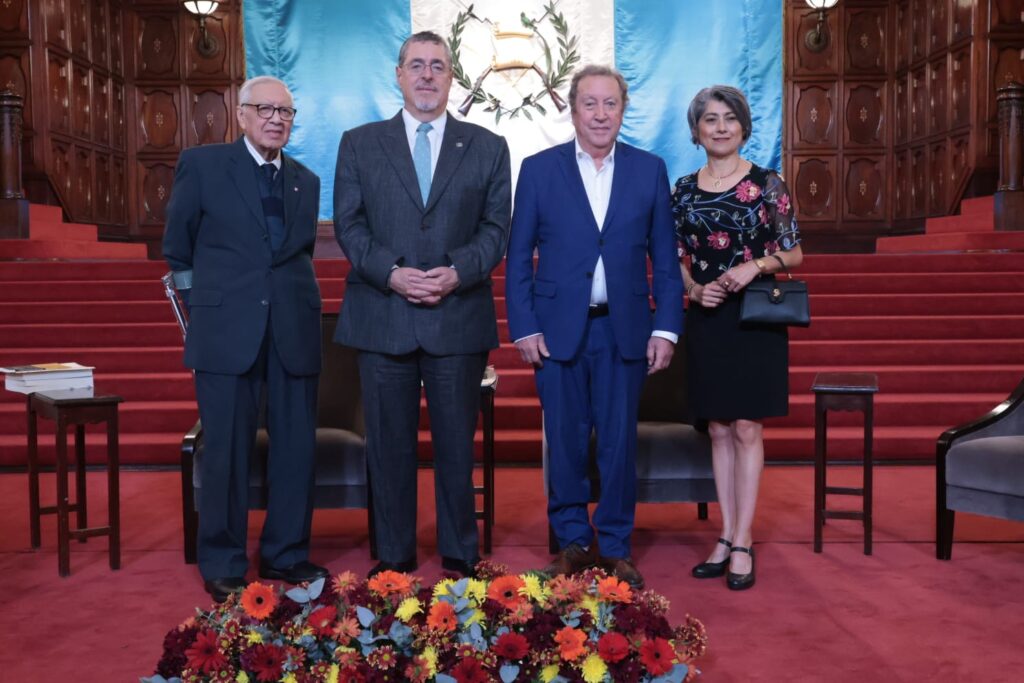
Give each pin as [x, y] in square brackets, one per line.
[731, 281]
[424, 287]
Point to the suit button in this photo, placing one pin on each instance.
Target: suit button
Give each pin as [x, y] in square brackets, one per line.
[590, 276]
[264, 302]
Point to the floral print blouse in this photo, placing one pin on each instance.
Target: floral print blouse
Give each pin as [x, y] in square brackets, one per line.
[719, 230]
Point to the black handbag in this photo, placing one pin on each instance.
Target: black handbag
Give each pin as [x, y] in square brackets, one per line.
[776, 302]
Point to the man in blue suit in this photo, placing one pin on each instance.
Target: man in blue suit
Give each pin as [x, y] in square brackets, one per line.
[242, 219]
[595, 210]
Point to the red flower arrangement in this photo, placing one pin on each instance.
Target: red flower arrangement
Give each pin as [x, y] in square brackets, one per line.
[501, 627]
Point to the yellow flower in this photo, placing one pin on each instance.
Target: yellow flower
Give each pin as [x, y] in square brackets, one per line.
[548, 673]
[533, 588]
[409, 608]
[442, 587]
[243, 677]
[289, 678]
[477, 617]
[477, 590]
[430, 654]
[589, 603]
[253, 638]
[594, 669]
[332, 675]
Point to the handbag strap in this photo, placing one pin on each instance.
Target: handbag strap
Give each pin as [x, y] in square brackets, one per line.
[783, 264]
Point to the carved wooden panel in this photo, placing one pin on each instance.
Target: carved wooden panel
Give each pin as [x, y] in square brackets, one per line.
[963, 19]
[865, 189]
[901, 189]
[101, 109]
[80, 27]
[209, 118]
[865, 114]
[119, 185]
[158, 119]
[102, 203]
[13, 17]
[960, 88]
[815, 115]
[918, 29]
[902, 31]
[60, 155]
[116, 43]
[14, 67]
[58, 88]
[807, 61]
[1007, 12]
[55, 22]
[918, 103]
[198, 65]
[156, 179]
[959, 159]
[814, 188]
[82, 109]
[117, 116]
[100, 25]
[938, 175]
[938, 99]
[157, 48]
[918, 182]
[938, 24]
[901, 108]
[865, 40]
[82, 186]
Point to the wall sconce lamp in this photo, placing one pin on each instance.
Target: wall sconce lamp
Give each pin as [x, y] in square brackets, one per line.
[206, 45]
[816, 38]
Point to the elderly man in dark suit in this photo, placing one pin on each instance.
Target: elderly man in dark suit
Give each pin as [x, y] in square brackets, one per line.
[242, 219]
[421, 209]
[596, 211]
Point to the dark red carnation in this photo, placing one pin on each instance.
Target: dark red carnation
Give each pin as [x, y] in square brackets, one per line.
[266, 661]
[176, 642]
[613, 647]
[470, 670]
[511, 645]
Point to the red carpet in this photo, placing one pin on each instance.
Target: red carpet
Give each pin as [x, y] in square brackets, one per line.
[898, 615]
[942, 331]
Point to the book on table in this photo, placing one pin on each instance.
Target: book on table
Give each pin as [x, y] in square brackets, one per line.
[26, 379]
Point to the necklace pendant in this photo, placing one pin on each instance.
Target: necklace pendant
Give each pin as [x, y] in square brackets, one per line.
[718, 183]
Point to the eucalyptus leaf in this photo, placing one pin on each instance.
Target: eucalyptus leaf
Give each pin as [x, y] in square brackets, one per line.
[508, 672]
[365, 617]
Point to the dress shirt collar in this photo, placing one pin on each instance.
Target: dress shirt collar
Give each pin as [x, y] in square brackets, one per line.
[412, 123]
[581, 155]
[276, 161]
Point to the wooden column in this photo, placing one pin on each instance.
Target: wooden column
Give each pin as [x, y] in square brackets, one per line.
[1009, 199]
[13, 205]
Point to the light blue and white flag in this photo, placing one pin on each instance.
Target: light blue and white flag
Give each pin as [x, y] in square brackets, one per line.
[513, 64]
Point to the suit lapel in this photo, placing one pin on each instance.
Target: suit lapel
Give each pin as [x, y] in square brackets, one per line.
[620, 180]
[570, 168]
[396, 151]
[292, 193]
[242, 175]
[453, 151]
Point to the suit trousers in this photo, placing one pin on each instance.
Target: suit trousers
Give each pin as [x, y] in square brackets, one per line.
[229, 407]
[391, 400]
[598, 391]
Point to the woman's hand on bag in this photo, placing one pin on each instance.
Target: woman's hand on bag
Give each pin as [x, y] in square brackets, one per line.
[738, 277]
[712, 294]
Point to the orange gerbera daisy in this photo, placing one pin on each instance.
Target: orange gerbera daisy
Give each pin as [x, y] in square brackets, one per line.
[259, 600]
[570, 643]
[442, 617]
[613, 590]
[505, 590]
[390, 583]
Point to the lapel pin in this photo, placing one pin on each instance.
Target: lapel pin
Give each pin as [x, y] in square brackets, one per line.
[458, 144]
[296, 189]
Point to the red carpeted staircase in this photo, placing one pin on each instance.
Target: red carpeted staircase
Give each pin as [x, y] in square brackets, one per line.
[943, 331]
[51, 238]
[973, 229]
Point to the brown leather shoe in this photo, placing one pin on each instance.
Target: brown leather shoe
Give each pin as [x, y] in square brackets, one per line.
[623, 569]
[571, 559]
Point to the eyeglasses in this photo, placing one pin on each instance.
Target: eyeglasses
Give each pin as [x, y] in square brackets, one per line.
[266, 111]
[418, 66]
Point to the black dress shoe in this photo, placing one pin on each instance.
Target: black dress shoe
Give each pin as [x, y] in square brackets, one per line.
[460, 567]
[220, 589]
[300, 572]
[404, 567]
[712, 570]
[741, 582]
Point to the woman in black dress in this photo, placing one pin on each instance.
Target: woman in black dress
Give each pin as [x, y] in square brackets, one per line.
[734, 221]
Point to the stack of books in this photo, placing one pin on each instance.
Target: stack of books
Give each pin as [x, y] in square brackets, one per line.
[43, 377]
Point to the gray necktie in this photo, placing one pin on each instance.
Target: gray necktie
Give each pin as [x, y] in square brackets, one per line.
[421, 159]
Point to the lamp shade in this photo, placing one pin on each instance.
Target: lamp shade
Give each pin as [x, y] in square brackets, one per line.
[821, 4]
[203, 8]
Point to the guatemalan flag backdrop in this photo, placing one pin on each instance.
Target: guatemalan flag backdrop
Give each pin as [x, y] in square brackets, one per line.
[339, 56]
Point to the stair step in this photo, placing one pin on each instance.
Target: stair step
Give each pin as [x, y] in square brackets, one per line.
[953, 241]
[45, 212]
[966, 223]
[51, 231]
[69, 249]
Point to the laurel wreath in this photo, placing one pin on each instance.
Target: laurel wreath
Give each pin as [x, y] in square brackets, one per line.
[553, 77]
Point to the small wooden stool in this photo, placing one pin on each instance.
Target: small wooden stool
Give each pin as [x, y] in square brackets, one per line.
[79, 408]
[851, 391]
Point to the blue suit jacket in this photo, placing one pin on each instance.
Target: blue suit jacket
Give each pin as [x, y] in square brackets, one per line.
[215, 227]
[553, 216]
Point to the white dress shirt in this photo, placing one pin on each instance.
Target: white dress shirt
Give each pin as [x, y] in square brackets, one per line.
[434, 136]
[259, 158]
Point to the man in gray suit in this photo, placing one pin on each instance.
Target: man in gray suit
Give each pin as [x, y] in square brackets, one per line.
[421, 209]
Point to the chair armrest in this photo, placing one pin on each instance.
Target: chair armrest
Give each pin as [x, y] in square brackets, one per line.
[190, 442]
[977, 428]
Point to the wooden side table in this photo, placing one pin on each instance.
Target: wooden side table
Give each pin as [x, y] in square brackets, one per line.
[850, 391]
[74, 407]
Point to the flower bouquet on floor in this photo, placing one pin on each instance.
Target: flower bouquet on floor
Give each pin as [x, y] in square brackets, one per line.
[500, 627]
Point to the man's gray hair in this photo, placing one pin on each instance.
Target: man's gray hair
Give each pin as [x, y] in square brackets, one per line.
[424, 37]
[597, 70]
[727, 95]
[245, 92]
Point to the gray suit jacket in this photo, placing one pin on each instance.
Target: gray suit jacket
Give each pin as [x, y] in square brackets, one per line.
[380, 222]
